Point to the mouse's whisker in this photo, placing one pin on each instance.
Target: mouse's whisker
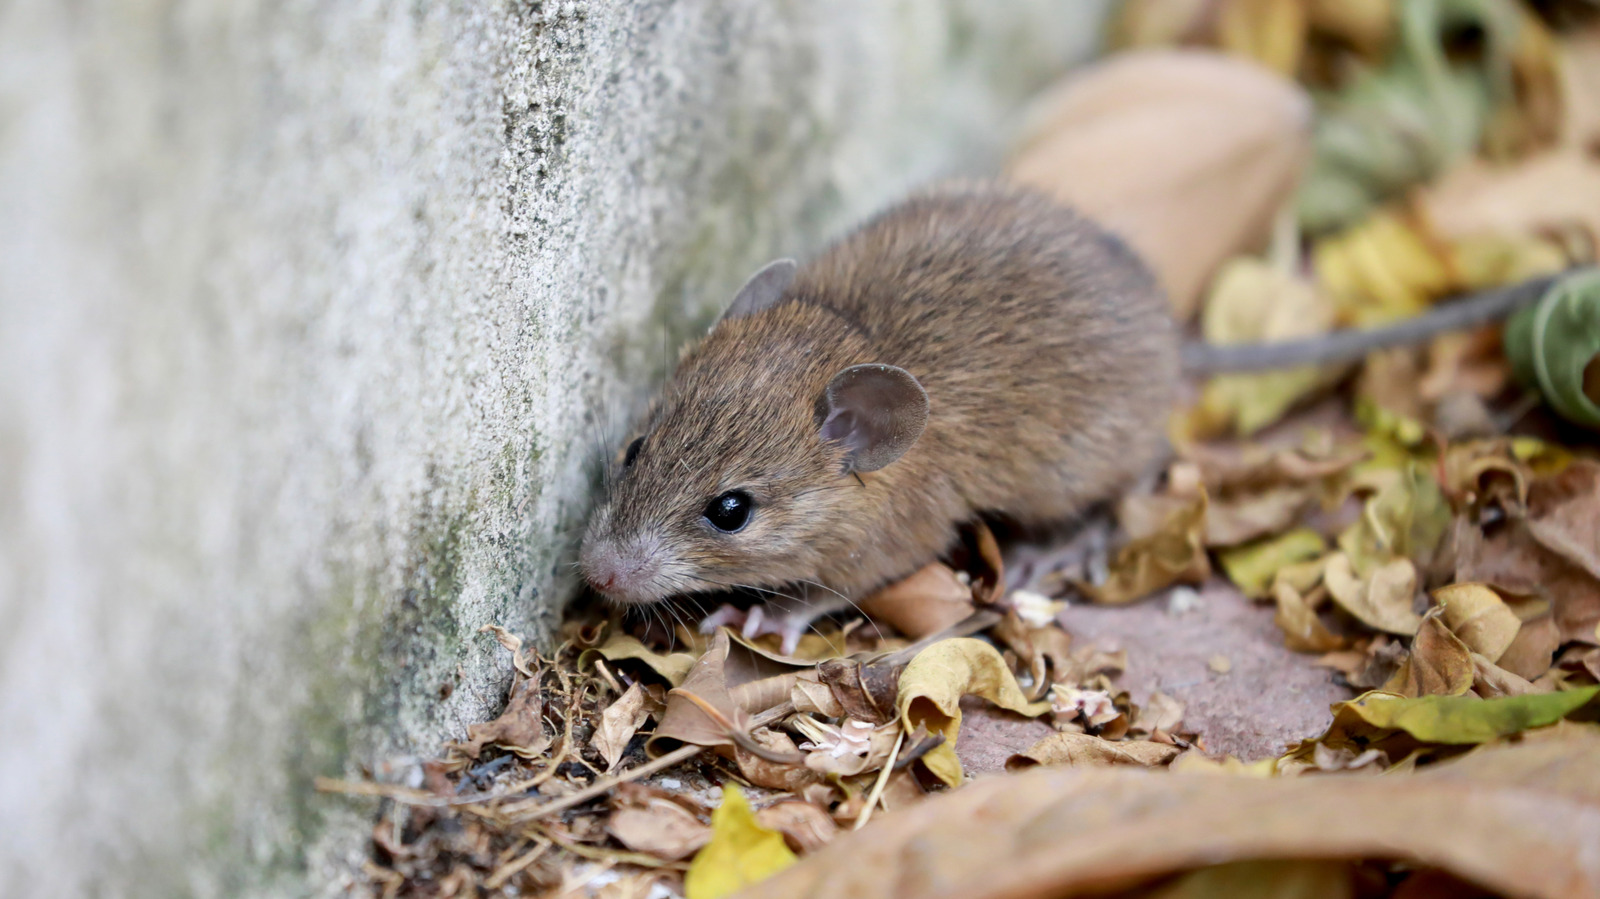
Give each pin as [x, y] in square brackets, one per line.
[852, 603]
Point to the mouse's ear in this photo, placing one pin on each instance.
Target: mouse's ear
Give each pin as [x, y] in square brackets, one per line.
[876, 412]
[764, 289]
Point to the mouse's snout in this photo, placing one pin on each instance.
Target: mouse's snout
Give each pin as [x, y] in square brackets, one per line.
[624, 572]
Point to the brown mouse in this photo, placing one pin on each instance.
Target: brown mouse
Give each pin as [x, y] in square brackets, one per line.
[975, 350]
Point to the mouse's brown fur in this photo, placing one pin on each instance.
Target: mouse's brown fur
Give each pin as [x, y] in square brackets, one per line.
[1046, 353]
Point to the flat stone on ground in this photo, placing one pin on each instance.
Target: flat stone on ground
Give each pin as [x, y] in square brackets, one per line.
[1243, 692]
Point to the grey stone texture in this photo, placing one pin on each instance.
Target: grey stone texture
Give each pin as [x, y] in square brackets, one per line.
[314, 320]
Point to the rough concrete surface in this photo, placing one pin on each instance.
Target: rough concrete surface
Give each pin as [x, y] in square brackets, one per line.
[314, 317]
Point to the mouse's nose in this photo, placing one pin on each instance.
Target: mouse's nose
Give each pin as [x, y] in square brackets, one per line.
[621, 572]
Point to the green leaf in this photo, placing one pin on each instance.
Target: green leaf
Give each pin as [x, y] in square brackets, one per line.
[1552, 343]
[1459, 720]
[1251, 567]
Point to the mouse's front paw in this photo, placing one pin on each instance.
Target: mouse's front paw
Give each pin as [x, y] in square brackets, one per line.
[760, 620]
[725, 616]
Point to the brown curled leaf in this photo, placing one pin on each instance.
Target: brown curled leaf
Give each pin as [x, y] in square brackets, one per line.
[928, 601]
[1439, 663]
[618, 723]
[726, 685]
[520, 728]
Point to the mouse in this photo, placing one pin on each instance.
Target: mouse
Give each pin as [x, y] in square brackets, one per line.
[976, 350]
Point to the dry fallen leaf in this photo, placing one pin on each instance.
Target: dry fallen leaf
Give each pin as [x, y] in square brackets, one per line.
[728, 682]
[1439, 664]
[1563, 508]
[673, 667]
[806, 826]
[1555, 193]
[1297, 617]
[1174, 553]
[618, 723]
[1186, 154]
[928, 601]
[1580, 89]
[658, 826]
[1071, 749]
[1517, 819]
[932, 686]
[520, 728]
[1161, 712]
[1382, 600]
[1271, 32]
[1478, 615]
[1158, 23]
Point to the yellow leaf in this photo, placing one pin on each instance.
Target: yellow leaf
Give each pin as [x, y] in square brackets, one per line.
[1492, 260]
[1479, 617]
[931, 688]
[1253, 566]
[1382, 600]
[741, 851]
[1270, 32]
[1381, 270]
[1251, 301]
[1407, 517]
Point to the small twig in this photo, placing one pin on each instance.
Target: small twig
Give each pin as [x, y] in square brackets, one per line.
[923, 747]
[883, 780]
[405, 795]
[525, 811]
[740, 738]
[608, 855]
[511, 869]
[392, 880]
[574, 708]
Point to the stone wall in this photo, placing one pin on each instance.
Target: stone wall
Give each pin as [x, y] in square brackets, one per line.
[313, 320]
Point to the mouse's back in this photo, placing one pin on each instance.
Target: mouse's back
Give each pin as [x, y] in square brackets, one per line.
[1044, 343]
[975, 349]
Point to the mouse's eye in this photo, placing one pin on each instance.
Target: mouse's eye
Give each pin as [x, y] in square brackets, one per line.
[730, 511]
[632, 453]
